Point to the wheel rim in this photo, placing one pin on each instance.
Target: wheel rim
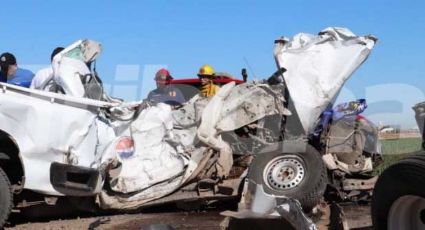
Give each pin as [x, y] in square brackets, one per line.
[407, 212]
[284, 172]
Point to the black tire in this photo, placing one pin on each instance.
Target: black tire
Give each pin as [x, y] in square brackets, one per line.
[309, 191]
[6, 198]
[404, 178]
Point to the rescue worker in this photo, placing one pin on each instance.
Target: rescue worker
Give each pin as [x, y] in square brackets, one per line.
[10, 72]
[207, 75]
[164, 92]
[43, 76]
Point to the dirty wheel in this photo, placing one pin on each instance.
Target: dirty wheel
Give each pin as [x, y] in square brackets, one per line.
[399, 196]
[6, 198]
[298, 175]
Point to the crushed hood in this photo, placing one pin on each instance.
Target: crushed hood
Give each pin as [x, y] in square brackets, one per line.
[318, 66]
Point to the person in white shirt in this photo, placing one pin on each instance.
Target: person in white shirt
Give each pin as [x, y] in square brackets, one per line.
[43, 76]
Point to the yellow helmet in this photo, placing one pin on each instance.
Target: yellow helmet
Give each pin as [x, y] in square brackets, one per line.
[206, 70]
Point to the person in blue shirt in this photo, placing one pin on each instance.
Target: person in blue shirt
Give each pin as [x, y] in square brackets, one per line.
[10, 72]
[164, 92]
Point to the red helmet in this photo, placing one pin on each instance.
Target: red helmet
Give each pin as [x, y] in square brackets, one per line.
[163, 76]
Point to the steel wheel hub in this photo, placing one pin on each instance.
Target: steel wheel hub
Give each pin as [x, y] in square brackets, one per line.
[407, 212]
[284, 172]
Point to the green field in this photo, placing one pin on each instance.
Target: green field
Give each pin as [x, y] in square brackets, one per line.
[401, 146]
[397, 149]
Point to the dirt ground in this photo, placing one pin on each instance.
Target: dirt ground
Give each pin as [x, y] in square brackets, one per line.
[178, 220]
[357, 217]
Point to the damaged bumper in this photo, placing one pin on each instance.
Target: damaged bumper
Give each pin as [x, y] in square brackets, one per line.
[75, 180]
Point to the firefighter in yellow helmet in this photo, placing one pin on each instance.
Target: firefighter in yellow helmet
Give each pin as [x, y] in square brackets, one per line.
[208, 88]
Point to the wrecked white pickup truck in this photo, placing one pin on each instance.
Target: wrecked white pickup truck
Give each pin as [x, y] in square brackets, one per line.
[78, 142]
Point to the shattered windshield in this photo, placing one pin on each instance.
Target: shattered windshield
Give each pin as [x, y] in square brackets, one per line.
[75, 53]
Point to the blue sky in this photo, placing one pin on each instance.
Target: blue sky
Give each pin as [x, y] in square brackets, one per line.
[141, 36]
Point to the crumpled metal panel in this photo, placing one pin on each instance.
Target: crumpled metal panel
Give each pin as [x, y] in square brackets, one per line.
[154, 160]
[208, 133]
[247, 103]
[134, 200]
[257, 204]
[190, 114]
[318, 66]
[156, 125]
